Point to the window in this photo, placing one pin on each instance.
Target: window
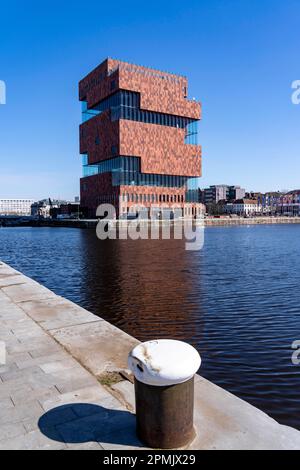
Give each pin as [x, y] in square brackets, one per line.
[88, 113]
[191, 133]
[126, 171]
[126, 105]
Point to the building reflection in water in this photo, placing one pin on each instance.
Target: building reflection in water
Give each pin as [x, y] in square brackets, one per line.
[148, 288]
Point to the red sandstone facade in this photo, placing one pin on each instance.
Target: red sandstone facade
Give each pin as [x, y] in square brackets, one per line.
[138, 117]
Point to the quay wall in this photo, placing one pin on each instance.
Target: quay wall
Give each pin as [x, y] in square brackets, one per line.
[211, 221]
[92, 223]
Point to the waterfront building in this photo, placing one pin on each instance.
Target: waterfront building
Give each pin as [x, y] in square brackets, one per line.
[236, 192]
[18, 207]
[290, 203]
[269, 202]
[244, 207]
[70, 210]
[221, 192]
[41, 209]
[138, 140]
[215, 193]
[217, 196]
[46, 208]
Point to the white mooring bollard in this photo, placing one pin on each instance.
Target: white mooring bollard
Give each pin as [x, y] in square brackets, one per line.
[164, 373]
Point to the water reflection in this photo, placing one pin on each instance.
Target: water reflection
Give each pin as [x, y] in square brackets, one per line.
[137, 283]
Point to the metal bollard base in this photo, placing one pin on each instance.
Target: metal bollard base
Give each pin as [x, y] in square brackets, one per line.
[164, 415]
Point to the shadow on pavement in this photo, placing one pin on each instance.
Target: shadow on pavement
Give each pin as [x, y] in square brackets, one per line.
[84, 422]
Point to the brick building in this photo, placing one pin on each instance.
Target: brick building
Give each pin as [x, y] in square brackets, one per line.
[138, 139]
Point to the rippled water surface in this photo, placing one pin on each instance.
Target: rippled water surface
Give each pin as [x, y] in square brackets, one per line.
[237, 300]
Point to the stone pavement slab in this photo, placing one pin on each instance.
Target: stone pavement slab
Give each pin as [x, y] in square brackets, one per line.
[98, 345]
[57, 313]
[40, 377]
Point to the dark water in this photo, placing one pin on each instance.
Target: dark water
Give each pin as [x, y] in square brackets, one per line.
[237, 300]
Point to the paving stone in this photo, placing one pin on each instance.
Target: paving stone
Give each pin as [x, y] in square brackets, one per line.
[29, 361]
[96, 427]
[41, 394]
[231, 423]
[97, 345]
[6, 270]
[85, 446]
[45, 351]
[11, 280]
[8, 431]
[8, 368]
[31, 441]
[74, 434]
[20, 413]
[58, 415]
[35, 347]
[21, 374]
[126, 390]
[57, 366]
[33, 377]
[123, 439]
[65, 386]
[7, 388]
[94, 395]
[57, 313]
[31, 424]
[6, 403]
[26, 329]
[6, 334]
[27, 291]
[17, 358]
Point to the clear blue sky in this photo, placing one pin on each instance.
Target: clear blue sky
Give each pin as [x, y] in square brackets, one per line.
[240, 57]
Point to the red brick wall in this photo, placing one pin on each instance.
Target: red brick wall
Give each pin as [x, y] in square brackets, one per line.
[165, 95]
[161, 148]
[96, 85]
[106, 131]
[94, 188]
[157, 94]
[98, 189]
[141, 190]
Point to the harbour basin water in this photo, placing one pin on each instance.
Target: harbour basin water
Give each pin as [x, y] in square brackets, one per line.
[237, 300]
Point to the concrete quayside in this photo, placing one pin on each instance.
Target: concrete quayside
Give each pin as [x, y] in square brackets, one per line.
[64, 382]
[92, 223]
